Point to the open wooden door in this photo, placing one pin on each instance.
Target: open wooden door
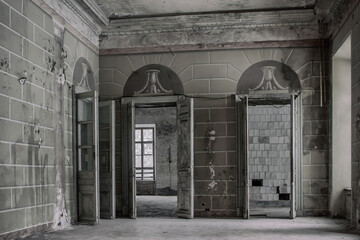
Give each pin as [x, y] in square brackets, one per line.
[128, 158]
[295, 138]
[185, 154]
[87, 157]
[107, 159]
[242, 157]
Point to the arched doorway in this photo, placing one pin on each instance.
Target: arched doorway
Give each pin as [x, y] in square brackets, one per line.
[268, 114]
[158, 167]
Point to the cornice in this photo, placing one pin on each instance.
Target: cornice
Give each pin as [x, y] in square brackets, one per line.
[86, 18]
[211, 22]
[97, 11]
[206, 28]
[59, 14]
[338, 14]
[234, 15]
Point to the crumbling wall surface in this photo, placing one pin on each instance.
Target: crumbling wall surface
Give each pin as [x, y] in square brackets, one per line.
[36, 165]
[212, 77]
[352, 26]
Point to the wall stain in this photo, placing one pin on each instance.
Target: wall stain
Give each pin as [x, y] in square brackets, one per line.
[357, 124]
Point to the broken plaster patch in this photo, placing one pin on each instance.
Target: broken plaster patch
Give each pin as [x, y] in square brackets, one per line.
[61, 217]
[213, 184]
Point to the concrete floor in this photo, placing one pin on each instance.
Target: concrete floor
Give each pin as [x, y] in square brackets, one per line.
[156, 206]
[203, 228]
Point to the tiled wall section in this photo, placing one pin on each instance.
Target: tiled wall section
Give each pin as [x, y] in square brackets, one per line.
[269, 154]
[27, 161]
[215, 74]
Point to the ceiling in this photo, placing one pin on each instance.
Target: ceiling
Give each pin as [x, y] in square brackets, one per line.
[120, 9]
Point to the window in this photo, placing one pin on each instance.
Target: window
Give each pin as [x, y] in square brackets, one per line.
[144, 152]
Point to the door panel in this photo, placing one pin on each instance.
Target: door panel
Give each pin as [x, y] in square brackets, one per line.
[185, 158]
[107, 159]
[242, 157]
[128, 159]
[87, 157]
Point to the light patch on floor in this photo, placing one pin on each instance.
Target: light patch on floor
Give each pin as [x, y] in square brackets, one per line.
[156, 206]
[278, 212]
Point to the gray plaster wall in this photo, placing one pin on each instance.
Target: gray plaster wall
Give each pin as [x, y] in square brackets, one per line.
[166, 145]
[341, 136]
[352, 26]
[36, 164]
[215, 74]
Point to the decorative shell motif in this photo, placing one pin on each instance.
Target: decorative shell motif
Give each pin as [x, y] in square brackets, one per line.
[152, 86]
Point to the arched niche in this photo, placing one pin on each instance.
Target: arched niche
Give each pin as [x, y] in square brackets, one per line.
[268, 77]
[83, 77]
[153, 80]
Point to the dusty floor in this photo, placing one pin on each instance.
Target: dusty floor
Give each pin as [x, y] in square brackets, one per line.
[201, 228]
[278, 212]
[156, 206]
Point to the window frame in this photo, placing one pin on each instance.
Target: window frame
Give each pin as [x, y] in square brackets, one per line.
[142, 142]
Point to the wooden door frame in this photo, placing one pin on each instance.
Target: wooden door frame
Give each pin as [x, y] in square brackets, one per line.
[75, 96]
[111, 105]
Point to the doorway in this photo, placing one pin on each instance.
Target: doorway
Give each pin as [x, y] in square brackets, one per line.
[156, 161]
[268, 146]
[269, 160]
[94, 141]
[147, 178]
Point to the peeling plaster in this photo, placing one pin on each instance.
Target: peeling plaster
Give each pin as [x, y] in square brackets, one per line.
[61, 217]
[213, 184]
[211, 138]
[357, 124]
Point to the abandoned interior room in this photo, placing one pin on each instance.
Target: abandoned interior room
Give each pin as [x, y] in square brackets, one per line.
[131, 112]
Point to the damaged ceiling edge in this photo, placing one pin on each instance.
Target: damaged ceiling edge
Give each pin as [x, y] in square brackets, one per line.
[210, 21]
[91, 23]
[85, 29]
[199, 47]
[97, 11]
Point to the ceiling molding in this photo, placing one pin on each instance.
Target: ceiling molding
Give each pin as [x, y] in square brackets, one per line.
[206, 47]
[216, 27]
[94, 7]
[211, 22]
[86, 18]
[58, 12]
[234, 15]
[323, 7]
[211, 36]
[339, 13]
